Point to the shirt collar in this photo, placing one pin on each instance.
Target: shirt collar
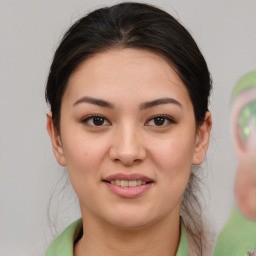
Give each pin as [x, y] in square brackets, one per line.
[63, 245]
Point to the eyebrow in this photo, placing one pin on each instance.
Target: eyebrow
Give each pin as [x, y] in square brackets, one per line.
[143, 106]
[95, 101]
[157, 102]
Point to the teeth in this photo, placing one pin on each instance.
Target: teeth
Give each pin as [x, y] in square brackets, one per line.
[132, 183]
[126, 183]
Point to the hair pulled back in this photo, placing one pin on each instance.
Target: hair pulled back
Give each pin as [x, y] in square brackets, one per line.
[141, 26]
[130, 25]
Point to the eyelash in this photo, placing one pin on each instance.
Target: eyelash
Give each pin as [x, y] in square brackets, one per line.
[86, 120]
[169, 119]
[92, 117]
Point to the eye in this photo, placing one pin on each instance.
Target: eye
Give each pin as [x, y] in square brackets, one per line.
[160, 120]
[96, 120]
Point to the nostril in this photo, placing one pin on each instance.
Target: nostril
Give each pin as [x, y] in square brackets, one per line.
[127, 149]
[128, 159]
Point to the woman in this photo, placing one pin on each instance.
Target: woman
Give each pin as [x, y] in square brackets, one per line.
[128, 91]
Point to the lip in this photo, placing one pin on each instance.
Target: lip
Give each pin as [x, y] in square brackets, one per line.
[128, 192]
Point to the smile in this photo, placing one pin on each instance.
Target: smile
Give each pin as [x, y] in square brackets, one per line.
[128, 186]
[128, 183]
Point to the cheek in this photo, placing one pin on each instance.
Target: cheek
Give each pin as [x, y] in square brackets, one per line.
[84, 156]
[81, 148]
[84, 160]
[173, 156]
[173, 159]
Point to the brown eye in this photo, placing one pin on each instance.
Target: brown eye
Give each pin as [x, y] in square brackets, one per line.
[95, 120]
[160, 120]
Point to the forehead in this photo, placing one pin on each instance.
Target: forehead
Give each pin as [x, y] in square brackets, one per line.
[126, 73]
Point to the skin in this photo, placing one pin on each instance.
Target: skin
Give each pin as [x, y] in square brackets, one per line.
[245, 182]
[129, 141]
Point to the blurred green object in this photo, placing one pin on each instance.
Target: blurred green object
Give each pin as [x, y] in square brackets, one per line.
[247, 81]
[247, 121]
[237, 238]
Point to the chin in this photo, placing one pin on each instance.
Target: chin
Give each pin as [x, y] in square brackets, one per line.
[131, 224]
[130, 220]
[138, 218]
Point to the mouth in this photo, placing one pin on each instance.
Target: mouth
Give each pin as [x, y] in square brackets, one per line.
[128, 183]
[128, 186]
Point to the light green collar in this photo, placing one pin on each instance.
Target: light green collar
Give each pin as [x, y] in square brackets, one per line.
[63, 245]
[183, 246]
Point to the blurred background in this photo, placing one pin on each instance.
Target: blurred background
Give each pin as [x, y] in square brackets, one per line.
[30, 179]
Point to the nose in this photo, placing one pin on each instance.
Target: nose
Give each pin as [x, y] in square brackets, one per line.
[127, 146]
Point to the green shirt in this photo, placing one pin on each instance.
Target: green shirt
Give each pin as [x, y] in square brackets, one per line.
[63, 245]
[237, 238]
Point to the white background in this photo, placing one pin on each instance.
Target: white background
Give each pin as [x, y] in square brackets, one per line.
[29, 33]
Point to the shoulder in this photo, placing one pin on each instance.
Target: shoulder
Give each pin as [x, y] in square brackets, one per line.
[238, 237]
[63, 244]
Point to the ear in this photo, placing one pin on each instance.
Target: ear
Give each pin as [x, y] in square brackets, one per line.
[56, 140]
[202, 139]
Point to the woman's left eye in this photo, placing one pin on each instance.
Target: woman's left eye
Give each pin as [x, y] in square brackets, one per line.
[160, 120]
[96, 120]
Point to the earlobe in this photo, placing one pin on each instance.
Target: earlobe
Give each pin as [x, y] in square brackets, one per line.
[202, 139]
[56, 140]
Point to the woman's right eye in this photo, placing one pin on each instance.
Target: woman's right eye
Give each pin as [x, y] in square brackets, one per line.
[96, 120]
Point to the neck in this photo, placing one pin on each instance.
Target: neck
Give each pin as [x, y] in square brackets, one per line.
[104, 239]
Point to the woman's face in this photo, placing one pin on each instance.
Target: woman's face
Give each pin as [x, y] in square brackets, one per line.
[128, 137]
